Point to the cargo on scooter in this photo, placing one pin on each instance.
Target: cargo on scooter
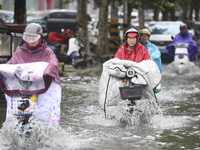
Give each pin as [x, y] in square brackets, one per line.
[124, 86]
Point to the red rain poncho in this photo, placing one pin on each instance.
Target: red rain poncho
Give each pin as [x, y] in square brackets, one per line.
[141, 53]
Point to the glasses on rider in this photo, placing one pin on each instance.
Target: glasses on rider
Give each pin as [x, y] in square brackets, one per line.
[30, 37]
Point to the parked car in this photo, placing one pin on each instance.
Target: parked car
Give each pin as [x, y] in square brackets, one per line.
[57, 20]
[7, 16]
[161, 34]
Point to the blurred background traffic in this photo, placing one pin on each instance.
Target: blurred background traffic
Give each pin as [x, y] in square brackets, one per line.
[161, 17]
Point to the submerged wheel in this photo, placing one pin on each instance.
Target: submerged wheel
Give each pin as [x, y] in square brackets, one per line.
[75, 62]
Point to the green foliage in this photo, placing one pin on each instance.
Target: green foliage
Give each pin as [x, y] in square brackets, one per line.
[0, 6]
[97, 3]
[150, 4]
[67, 1]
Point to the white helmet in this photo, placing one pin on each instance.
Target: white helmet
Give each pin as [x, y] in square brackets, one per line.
[132, 29]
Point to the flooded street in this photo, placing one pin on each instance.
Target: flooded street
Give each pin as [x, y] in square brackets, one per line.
[83, 125]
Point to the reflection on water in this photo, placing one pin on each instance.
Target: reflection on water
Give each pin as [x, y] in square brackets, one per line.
[84, 126]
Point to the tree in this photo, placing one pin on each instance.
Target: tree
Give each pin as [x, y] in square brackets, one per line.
[102, 45]
[140, 5]
[82, 22]
[20, 11]
[197, 10]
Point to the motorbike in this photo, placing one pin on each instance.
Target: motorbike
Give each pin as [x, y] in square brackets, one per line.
[183, 51]
[127, 89]
[181, 58]
[182, 62]
[25, 87]
[67, 48]
[25, 113]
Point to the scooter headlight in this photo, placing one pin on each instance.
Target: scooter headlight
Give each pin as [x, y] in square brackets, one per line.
[130, 72]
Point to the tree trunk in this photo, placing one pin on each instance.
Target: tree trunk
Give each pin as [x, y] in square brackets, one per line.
[156, 14]
[82, 22]
[197, 14]
[184, 14]
[185, 8]
[172, 14]
[191, 10]
[125, 17]
[130, 7]
[197, 10]
[165, 13]
[141, 17]
[20, 11]
[102, 45]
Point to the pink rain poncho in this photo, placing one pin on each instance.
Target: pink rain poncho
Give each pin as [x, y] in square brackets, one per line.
[49, 96]
[42, 53]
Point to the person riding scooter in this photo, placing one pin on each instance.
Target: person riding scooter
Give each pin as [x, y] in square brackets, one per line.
[49, 96]
[183, 37]
[132, 50]
[66, 46]
[151, 48]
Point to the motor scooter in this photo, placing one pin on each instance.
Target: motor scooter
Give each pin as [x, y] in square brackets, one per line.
[181, 58]
[183, 51]
[126, 88]
[67, 48]
[182, 63]
[25, 87]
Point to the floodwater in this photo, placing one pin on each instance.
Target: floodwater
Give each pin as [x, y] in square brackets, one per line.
[83, 124]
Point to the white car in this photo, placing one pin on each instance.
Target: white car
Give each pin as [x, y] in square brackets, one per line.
[162, 32]
[7, 16]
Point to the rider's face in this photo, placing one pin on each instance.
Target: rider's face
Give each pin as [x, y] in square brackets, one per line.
[144, 38]
[132, 40]
[183, 31]
[34, 44]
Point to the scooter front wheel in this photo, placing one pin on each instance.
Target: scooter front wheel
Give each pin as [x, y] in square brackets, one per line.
[75, 62]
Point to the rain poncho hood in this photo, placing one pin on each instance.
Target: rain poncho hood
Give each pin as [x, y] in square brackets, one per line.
[187, 38]
[140, 55]
[154, 53]
[42, 53]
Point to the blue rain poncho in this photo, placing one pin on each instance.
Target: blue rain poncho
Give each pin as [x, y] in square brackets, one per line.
[154, 53]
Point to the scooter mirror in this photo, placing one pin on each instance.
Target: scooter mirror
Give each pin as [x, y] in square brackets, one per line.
[116, 43]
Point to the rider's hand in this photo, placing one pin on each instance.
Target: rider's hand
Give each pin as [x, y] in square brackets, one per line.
[158, 88]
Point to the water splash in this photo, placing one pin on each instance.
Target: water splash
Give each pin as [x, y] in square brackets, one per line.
[138, 115]
[144, 111]
[187, 68]
[170, 122]
[42, 137]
